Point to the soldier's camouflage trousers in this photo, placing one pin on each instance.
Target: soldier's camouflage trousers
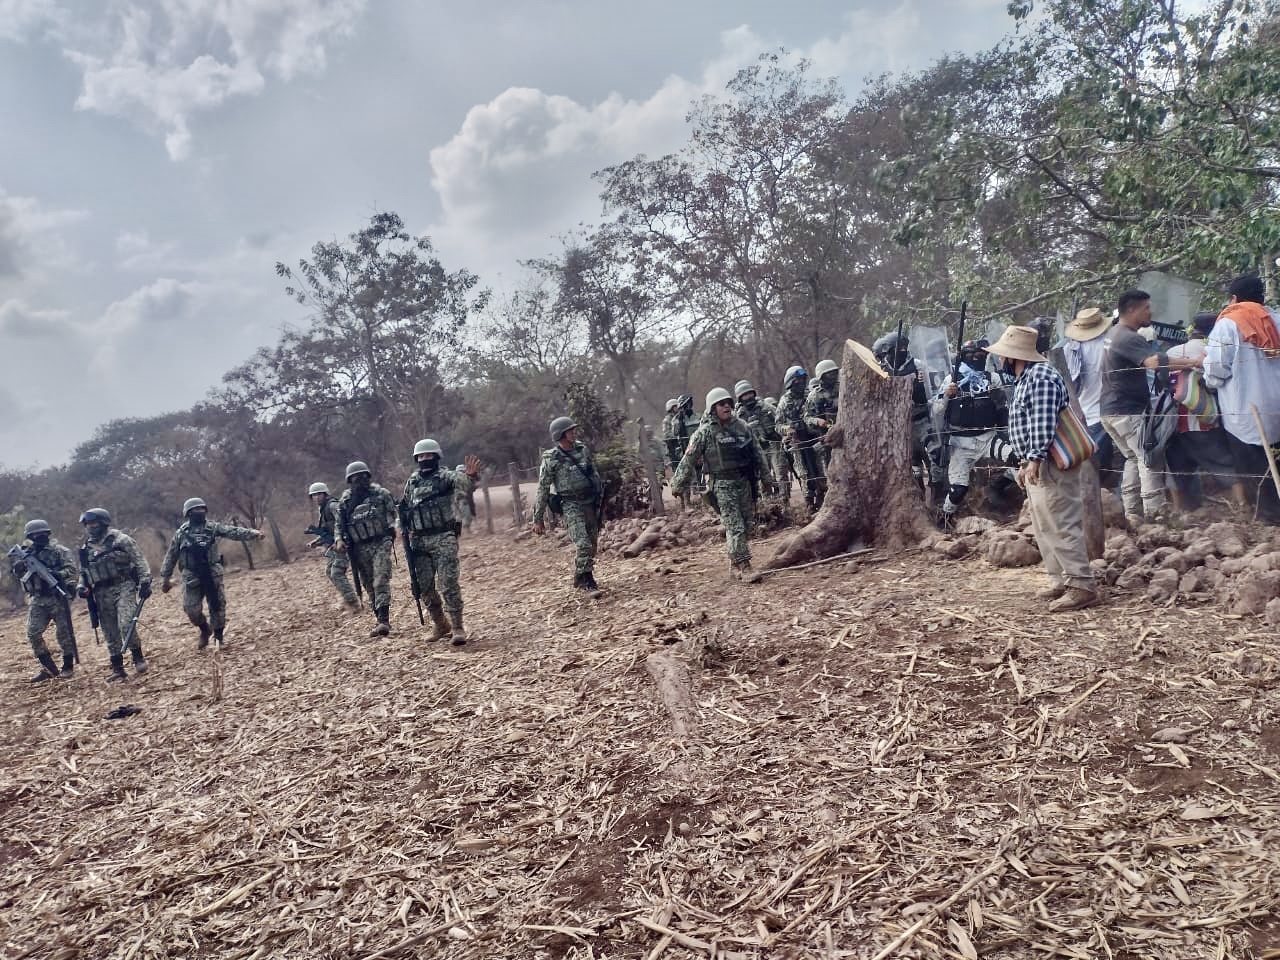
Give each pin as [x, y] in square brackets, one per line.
[116, 605]
[734, 499]
[195, 595]
[42, 612]
[336, 568]
[435, 564]
[582, 521]
[373, 561]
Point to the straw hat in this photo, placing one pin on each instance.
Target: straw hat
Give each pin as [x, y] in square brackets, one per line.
[1018, 343]
[1089, 324]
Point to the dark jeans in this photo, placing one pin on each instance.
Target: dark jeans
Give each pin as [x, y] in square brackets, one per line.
[1191, 454]
[1109, 476]
[1253, 470]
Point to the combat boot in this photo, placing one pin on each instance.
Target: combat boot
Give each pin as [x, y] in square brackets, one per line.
[68, 666]
[442, 626]
[219, 639]
[117, 670]
[384, 622]
[459, 633]
[139, 661]
[48, 669]
[205, 633]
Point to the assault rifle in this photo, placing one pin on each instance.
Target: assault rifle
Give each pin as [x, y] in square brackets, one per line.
[955, 382]
[322, 536]
[33, 566]
[352, 555]
[403, 509]
[132, 631]
[89, 600]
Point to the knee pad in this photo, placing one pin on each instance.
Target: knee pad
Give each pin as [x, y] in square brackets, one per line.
[956, 494]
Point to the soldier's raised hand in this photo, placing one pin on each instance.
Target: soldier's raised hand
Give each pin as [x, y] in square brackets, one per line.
[472, 465]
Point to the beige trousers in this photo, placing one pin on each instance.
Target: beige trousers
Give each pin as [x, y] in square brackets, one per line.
[1142, 488]
[1057, 517]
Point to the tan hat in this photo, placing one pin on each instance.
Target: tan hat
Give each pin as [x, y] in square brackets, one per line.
[1018, 343]
[1089, 324]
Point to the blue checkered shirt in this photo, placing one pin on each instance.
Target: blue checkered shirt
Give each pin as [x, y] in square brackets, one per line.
[1038, 398]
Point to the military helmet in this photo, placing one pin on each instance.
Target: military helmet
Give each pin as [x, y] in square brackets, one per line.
[559, 425]
[95, 515]
[770, 401]
[192, 504]
[741, 387]
[888, 343]
[356, 467]
[970, 349]
[426, 446]
[793, 374]
[35, 526]
[672, 405]
[824, 367]
[317, 488]
[717, 395]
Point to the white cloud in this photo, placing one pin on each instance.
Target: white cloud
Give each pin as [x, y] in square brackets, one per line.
[135, 250]
[164, 306]
[158, 62]
[23, 322]
[19, 18]
[31, 238]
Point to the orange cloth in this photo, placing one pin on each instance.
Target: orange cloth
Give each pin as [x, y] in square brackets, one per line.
[1255, 324]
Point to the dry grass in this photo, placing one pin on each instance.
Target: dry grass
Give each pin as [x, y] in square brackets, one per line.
[887, 756]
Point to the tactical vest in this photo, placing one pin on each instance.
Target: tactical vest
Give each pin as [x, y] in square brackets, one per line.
[34, 585]
[728, 452]
[973, 414]
[196, 550]
[433, 513]
[107, 563]
[824, 404]
[574, 478]
[367, 520]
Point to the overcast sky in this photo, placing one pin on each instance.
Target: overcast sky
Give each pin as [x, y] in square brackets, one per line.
[157, 158]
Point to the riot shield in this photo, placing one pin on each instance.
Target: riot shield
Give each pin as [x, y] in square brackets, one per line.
[932, 353]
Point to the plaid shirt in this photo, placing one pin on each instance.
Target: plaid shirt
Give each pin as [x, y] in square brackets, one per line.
[1038, 398]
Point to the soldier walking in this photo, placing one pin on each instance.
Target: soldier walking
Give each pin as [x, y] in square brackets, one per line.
[336, 565]
[47, 602]
[762, 419]
[735, 463]
[117, 577]
[568, 468]
[428, 518]
[366, 533]
[194, 549]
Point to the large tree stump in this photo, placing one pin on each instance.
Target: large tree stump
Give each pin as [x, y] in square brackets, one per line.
[871, 496]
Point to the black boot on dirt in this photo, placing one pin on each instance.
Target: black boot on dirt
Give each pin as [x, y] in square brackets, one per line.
[589, 583]
[205, 633]
[117, 674]
[443, 628]
[68, 666]
[139, 661]
[459, 632]
[47, 670]
[384, 623]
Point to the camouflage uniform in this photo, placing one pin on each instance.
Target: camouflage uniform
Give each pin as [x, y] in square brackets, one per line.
[336, 565]
[802, 432]
[731, 455]
[822, 403]
[193, 550]
[577, 483]
[114, 568]
[429, 506]
[366, 524]
[463, 505]
[764, 425]
[47, 607]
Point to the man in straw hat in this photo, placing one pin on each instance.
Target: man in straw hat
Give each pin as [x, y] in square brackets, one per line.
[1057, 507]
[1083, 349]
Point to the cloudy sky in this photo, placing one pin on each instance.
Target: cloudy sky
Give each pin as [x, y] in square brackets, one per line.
[159, 156]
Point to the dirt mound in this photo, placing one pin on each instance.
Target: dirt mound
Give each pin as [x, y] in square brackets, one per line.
[885, 749]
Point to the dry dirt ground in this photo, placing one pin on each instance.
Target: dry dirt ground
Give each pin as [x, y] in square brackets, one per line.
[892, 756]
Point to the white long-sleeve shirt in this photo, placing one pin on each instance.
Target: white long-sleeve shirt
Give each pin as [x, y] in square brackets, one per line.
[1243, 375]
[1084, 364]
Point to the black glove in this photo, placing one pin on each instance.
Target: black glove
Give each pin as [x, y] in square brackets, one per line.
[19, 568]
[144, 589]
[82, 592]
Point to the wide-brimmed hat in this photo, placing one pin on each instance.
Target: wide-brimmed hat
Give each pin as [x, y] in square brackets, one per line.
[1018, 343]
[1089, 324]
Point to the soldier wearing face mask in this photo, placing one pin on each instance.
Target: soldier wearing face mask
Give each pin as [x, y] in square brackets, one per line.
[48, 602]
[366, 532]
[116, 574]
[428, 517]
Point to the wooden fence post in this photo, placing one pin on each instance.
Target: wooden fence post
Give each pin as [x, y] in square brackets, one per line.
[517, 511]
[656, 506]
[488, 504]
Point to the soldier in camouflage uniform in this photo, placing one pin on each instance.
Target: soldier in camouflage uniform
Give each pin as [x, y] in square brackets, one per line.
[803, 436]
[763, 423]
[428, 518]
[366, 534]
[823, 400]
[671, 435]
[735, 463]
[336, 565]
[114, 570]
[568, 468]
[46, 605]
[194, 550]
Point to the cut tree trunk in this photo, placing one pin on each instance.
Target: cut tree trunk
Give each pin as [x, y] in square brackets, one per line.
[871, 497]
